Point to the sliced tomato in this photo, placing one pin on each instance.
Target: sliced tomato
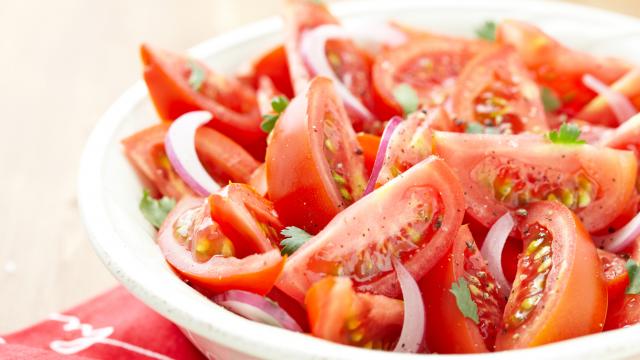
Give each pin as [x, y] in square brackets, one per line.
[623, 313]
[414, 217]
[258, 180]
[447, 329]
[204, 256]
[559, 292]
[598, 111]
[428, 64]
[246, 218]
[272, 64]
[223, 159]
[615, 274]
[505, 172]
[292, 307]
[339, 314]
[350, 64]
[557, 67]
[232, 104]
[314, 165]
[369, 144]
[495, 89]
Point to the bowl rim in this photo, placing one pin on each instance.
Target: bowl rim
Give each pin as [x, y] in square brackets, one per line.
[207, 319]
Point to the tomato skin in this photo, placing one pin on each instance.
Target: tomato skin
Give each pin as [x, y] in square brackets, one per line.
[298, 174]
[624, 312]
[574, 299]
[613, 171]
[361, 227]
[499, 68]
[448, 331]
[258, 180]
[369, 144]
[255, 273]
[598, 110]
[236, 115]
[272, 64]
[615, 274]
[333, 306]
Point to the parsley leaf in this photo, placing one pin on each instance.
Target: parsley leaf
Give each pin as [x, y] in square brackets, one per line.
[487, 31]
[549, 99]
[278, 104]
[634, 278]
[197, 76]
[569, 134]
[155, 211]
[467, 307]
[407, 97]
[295, 237]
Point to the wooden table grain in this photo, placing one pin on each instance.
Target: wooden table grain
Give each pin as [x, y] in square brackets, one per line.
[61, 64]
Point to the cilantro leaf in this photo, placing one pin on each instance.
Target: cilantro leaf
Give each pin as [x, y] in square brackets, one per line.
[197, 76]
[634, 278]
[487, 31]
[467, 307]
[549, 99]
[155, 211]
[568, 134]
[407, 97]
[278, 104]
[294, 238]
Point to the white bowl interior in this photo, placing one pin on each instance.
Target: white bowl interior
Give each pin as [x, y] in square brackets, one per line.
[109, 189]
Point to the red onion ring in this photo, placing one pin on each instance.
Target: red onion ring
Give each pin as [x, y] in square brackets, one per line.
[181, 151]
[492, 250]
[413, 325]
[382, 151]
[621, 106]
[622, 238]
[257, 308]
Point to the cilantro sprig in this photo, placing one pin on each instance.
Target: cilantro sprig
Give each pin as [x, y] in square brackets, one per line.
[155, 211]
[568, 134]
[487, 31]
[278, 104]
[407, 97]
[197, 75]
[549, 99]
[467, 307]
[294, 238]
[633, 269]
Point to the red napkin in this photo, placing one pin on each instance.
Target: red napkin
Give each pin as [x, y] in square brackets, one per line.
[114, 325]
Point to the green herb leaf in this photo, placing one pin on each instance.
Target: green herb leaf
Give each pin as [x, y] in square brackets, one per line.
[487, 31]
[197, 76]
[278, 104]
[155, 211]
[295, 237]
[549, 99]
[569, 134]
[467, 307]
[268, 122]
[407, 97]
[634, 278]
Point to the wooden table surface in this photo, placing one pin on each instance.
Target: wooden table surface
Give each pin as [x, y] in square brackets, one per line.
[63, 62]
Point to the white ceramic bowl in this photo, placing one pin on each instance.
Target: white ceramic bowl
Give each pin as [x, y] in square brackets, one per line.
[109, 190]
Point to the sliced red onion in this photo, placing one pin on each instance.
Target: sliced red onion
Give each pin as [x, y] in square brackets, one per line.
[621, 106]
[257, 308]
[413, 325]
[492, 250]
[313, 48]
[181, 151]
[382, 152]
[622, 238]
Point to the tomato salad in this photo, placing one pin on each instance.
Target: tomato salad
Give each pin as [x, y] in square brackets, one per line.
[396, 189]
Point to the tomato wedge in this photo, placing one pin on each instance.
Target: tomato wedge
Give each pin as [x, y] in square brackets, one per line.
[233, 104]
[495, 89]
[203, 255]
[559, 291]
[598, 110]
[271, 64]
[314, 165]
[557, 67]
[246, 217]
[625, 311]
[223, 159]
[413, 217]
[258, 180]
[505, 172]
[369, 144]
[350, 64]
[428, 64]
[338, 313]
[615, 274]
[447, 329]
